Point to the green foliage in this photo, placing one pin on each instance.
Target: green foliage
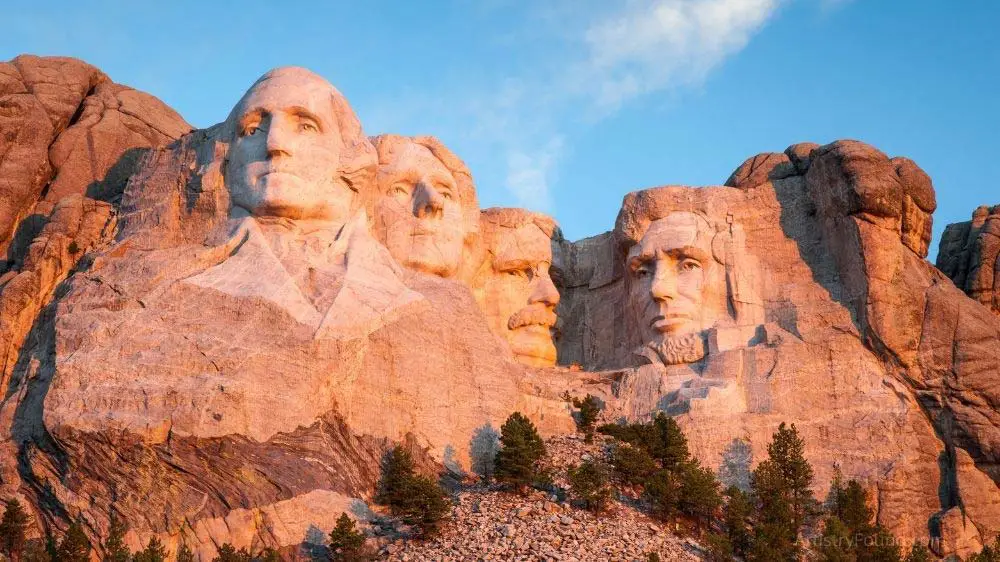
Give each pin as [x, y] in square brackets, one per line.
[836, 543]
[13, 528]
[633, 464]
[653, 557]
[521, 451]
[662, 439]
[987, 554]
[718, 548]
[859, 537]
[783, 497]
[75, 546]
[879, 546]
[589, 484]
[699, 495]
[415, 499]
[35, 550]
[397, 468]
[662, 491]
[589, 408]
[736, 520]
[656, 456]
[425, 505]
[154, 552]
[73, 247]
[115, 549]
[850, 504]
[918, 553]
[184, 554]
[347, 544]
[228, 553]
[268, 555]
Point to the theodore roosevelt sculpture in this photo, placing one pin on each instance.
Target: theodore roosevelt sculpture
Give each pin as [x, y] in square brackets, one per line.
[425, 208]
[513, 285]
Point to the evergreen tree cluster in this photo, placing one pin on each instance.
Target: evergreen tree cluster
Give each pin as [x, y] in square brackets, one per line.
[588, 408]
[655, 457]
[414, 498]
[990, 553]
[518, 461]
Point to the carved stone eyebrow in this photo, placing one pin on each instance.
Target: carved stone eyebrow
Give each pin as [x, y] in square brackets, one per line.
[303, 113]
[250, 114]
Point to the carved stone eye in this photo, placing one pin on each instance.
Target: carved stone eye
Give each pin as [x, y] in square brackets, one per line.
[690, 265]
[307, 127]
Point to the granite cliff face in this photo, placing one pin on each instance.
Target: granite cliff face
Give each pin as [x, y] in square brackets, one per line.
[222, 348]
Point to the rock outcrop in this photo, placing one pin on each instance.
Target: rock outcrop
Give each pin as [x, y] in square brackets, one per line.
[222, 348]
[969, 254]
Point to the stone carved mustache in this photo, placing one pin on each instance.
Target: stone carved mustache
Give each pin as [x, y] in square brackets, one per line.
[533, 315]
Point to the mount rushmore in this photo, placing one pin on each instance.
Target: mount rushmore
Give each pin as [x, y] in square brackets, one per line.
[219, 331]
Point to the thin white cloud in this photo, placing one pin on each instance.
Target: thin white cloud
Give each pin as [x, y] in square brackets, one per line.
[656, 44]
[608, 57]
[530, 174]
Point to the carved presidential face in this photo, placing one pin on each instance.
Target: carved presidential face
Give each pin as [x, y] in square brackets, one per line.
[419, 213]
[676, 288]
[286, 149]
[520, 298]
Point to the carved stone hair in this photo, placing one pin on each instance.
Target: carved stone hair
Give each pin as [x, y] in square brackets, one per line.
[641, 208]
[512, 217]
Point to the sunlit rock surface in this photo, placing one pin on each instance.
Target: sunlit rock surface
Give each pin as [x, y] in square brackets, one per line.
[223, 348]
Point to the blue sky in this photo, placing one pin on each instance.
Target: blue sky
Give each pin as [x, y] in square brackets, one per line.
[564, 106]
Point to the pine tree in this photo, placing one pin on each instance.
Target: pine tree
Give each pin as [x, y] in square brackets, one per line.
[786, 451]
[589, 408]
[268, 555]
[13, 529]
[75, 546]
[633, 464]
[184, 554]
[987, 554]
[880, 546]
[35, 551]
[415, 499]
[115, 549]
[662, 491]
[347, 544]
[718, 547]
[781, 492]
[669, 446]
[918, 553]
[154, 552]
[699, 493]
[426, 503]
[228, 553]
[736, 518]
[836, 543]
[521, 450]
[589, 484]
[868, 541]
[397, 468]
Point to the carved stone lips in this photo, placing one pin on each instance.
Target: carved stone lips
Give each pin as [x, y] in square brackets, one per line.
[670, 321]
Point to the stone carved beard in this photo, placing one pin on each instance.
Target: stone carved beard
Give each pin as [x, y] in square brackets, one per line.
[675, 350]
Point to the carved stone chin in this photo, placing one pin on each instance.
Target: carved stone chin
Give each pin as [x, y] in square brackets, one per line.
[675, 350]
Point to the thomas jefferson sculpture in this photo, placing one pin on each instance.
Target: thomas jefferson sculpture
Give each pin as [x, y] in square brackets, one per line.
[425, 208]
